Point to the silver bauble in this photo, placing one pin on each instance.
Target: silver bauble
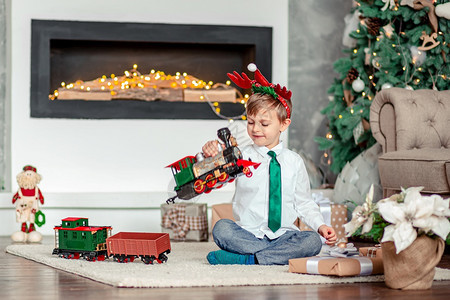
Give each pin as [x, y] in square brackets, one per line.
[358, 85]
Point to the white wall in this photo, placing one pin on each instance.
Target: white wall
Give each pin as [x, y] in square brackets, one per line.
[87, 157]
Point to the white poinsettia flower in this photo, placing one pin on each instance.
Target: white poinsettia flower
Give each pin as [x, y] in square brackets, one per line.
[441, 206]
[388, 234]
[362, 216]
[417, 212]
[404, 236]
[391, 211]
[412, 191]
[438, 225]
[367, 225]
[357, 220]
[419, 207]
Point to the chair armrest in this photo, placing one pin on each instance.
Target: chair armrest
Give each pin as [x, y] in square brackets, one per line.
[382, 121]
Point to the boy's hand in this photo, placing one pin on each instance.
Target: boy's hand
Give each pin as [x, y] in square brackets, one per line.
[328, 233]
[211, 148]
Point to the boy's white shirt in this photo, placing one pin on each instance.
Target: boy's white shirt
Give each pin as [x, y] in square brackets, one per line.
[251, 198]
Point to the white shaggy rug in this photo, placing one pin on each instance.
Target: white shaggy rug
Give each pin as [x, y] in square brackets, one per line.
[186, 267]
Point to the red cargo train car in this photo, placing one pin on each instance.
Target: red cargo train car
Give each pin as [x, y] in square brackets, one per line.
[126, 246]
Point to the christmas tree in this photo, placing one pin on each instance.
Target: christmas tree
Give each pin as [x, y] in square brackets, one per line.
[391, 43]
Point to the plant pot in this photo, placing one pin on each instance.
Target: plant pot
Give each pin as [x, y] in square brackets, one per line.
[414, 267]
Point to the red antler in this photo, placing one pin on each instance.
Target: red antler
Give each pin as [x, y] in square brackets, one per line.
[261, 79]
[243, 82]
[283, 92]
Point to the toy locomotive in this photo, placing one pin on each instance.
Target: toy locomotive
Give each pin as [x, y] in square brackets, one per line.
[75, 239]
[197, 175]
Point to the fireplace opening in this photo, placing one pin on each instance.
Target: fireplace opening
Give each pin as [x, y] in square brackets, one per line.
[66, 51]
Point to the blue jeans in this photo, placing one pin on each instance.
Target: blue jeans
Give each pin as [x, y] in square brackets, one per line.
[293, 244]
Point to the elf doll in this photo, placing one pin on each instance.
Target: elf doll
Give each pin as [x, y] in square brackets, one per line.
[27, 201]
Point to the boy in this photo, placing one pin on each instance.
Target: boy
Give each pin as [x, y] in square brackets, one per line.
[266, 205]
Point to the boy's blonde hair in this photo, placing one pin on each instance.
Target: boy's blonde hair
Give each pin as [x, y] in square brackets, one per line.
[258, 102]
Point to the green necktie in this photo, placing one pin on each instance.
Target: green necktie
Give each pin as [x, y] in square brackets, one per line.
[274, 193]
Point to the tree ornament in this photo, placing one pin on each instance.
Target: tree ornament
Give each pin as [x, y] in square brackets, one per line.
[352, 75]
[367, 57]
[408, 87]
[386, 85]
[429, 41]
[351, 24]
[376, 63]
[443, 10]
[348, 96]
[418, 56]
[388, 30]
[420, 4]
[374, 25]
[358, 85]
[388, 3]
[407, 2]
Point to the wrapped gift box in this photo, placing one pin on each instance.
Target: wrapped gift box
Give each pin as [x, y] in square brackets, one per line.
[185, 222]
[371, 252]
[335, 215]
[221, 211]
[327, 265]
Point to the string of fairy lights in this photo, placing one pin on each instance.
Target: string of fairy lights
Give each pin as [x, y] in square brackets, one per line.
[133, 79]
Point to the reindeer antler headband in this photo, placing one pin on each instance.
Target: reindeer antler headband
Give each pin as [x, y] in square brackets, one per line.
[261, 85]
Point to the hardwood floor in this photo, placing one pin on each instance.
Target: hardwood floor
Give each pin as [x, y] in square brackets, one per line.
[24, 279]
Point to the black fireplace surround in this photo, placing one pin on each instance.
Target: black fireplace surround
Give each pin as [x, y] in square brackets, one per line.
[70, 50]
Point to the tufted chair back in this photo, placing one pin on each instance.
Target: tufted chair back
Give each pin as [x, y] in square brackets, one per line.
[411, 119]
[413, 128]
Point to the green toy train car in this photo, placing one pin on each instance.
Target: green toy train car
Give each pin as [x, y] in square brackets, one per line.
[75, 239]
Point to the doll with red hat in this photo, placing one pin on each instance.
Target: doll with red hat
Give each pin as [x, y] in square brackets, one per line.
[27, 201]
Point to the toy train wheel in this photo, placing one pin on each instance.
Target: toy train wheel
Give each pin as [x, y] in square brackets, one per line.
[148, 260]
[162, 257]
[210, 180]
[90, 257]
[123, 258]
[247, 172]
[199, 186]
[223, 177]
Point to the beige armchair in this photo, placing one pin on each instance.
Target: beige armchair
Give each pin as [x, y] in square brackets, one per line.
[413, 128]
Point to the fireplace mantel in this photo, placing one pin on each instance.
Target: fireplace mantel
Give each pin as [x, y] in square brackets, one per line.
[71, 50]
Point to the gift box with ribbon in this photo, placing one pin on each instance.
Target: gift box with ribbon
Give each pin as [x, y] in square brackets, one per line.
[337, 266]
[334, 215]
[374, 251]
[185, 222]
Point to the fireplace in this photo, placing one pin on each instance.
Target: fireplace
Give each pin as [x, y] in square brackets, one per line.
[67, 51]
